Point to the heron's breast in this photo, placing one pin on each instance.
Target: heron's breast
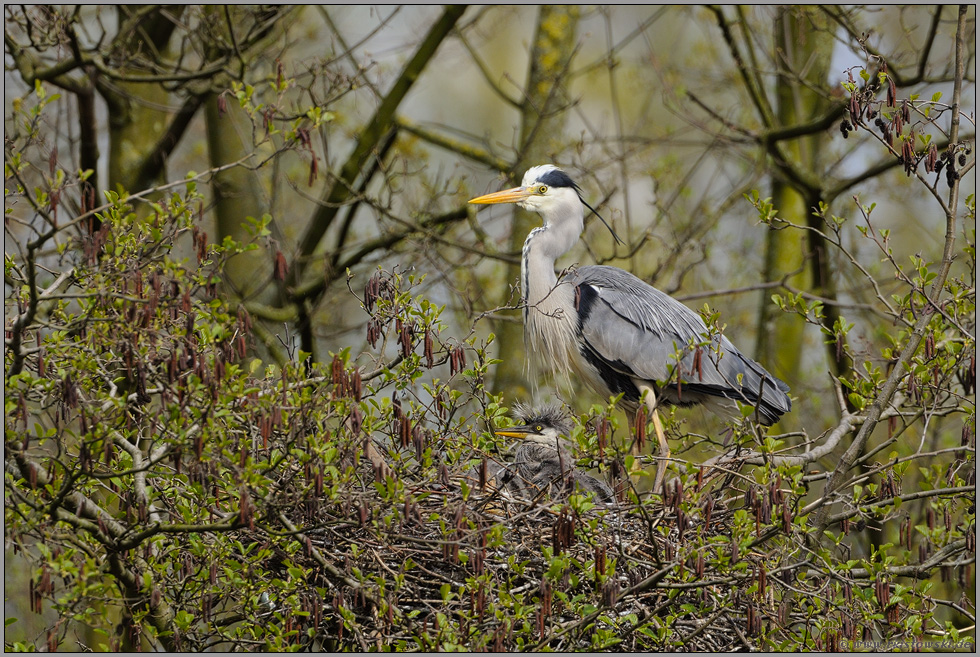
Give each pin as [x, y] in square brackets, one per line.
[550, 330]
[554, 342]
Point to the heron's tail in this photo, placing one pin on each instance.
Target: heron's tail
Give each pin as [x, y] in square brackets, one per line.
[753, 385]
[739, 378]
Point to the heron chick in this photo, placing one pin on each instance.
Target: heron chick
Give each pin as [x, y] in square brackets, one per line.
[616, 332]
[543, 459]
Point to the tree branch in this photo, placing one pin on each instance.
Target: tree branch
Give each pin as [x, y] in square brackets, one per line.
[168, 141]
[756, 95]
[487, 76]
[28, 66]
[370, 136]
[857, 36]
[898, 371]
[454, 146]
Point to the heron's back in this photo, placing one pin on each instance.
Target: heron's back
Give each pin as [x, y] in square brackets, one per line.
[629, 331]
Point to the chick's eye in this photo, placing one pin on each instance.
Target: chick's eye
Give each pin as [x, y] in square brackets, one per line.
[538, 427]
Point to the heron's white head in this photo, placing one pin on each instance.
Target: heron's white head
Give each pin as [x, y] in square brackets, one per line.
[545, 189]
[551, 193]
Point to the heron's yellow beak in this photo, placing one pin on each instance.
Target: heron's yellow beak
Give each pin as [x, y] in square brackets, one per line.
[516, 432]
[515, 195]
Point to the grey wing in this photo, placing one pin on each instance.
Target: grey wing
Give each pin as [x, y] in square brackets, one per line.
[631, 324]
[630, 329]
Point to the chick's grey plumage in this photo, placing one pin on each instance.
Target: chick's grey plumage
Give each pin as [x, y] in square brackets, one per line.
[542, 460]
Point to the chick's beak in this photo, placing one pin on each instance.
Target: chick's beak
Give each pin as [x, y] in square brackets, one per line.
[516, 432]
[515, 195]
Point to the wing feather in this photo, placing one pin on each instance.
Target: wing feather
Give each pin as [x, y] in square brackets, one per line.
[638, 331]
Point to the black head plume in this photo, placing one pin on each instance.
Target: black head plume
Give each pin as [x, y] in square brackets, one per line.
[549, 415]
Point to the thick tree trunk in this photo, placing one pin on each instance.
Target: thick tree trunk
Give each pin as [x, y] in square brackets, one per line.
[136, 120]
[542, 133]
[236, 197]
[138, 111]
[804, 50]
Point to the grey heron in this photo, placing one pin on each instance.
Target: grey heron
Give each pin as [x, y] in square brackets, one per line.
[616, 332]
[543, 459]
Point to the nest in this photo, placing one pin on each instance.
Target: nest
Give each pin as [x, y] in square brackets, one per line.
[460, 566]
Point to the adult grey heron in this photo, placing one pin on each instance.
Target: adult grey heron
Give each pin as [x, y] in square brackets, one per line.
[616, 332]
[543, 459]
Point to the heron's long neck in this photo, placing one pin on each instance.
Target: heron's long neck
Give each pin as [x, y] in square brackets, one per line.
[543, 246]
[549, 325]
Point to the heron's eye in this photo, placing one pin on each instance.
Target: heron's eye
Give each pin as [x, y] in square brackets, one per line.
[540, 189]
[538, 428]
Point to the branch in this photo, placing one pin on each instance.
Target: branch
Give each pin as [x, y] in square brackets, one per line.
[756, 95]
[370, 136]
[86, 516]
[816, 126]
[269, 313]
[859, 37]
[29, 68]
[924, 570]
[387, 142]
[452, 145]
[168, 141]
[890, 501]
[844, 427]
[326, 563]
[898, 372]
[382, 242]
[640, 587]
[135, 540]
[348, 49]
[161, 615]
[487, 76]
[875, 170]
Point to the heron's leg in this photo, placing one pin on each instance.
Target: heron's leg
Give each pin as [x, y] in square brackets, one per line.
[649, 398]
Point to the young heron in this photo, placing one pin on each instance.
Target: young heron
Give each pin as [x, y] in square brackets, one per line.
[543, 460]
[616, 332]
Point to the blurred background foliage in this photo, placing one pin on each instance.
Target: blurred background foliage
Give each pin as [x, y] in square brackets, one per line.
[754, 159]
